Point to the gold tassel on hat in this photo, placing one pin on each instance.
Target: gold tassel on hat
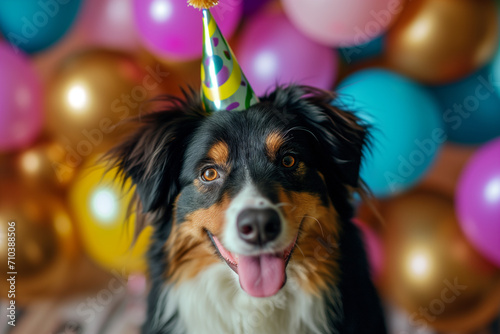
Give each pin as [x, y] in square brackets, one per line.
[203, 4]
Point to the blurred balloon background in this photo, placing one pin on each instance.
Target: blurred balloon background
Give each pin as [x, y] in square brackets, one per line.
[423, 74]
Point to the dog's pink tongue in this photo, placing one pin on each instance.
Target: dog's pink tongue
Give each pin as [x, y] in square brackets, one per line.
[261, 276]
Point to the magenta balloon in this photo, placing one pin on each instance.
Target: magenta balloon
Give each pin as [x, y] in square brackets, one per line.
[172, 29]
[272, 51]
[342, 23]
[20, 100]
[478, 200]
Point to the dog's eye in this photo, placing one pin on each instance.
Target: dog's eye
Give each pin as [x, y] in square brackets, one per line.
[288, 161]
[210, 174]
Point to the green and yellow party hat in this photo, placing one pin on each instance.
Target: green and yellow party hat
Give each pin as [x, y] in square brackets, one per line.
[223, 84]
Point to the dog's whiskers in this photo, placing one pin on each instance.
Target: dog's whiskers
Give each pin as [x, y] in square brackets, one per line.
[319, 223]
[301, 128]
[279, 205]
[300, 249]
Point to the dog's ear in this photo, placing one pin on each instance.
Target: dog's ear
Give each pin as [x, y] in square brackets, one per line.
[152, 156]
[339, 134]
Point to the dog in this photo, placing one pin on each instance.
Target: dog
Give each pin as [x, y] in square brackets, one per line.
[251, 211]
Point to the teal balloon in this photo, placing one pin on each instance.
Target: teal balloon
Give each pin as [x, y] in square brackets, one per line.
[405, 128]
[34, 25]
[471, 106]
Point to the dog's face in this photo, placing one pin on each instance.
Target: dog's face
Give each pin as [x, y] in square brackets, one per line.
[263, 189]
[250, 186]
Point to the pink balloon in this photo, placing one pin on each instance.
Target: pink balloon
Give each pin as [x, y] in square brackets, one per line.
[273, 52]
[20, 100]
[373, 248]
[478, 200]
[342, 23]
[108, 23]
[172, 29]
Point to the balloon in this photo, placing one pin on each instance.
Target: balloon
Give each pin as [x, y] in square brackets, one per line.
[406, 131]
[45, 239]
[91, 93]
[34, 25]
[42, 165]
[471, 107]
[20, 99]
[430, 268]
[478, 200]
[100, 204]
[108, 23]
[171, 29]
[102, 23]
[438, 41]
[342, 23]
[273, 52]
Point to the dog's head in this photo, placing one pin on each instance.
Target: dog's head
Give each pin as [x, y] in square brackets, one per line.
[266, 190]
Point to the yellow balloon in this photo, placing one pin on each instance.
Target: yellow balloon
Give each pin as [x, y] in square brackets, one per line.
[100, 204]
[438, 41]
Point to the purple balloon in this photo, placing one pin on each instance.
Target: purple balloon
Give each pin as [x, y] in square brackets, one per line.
[478, 200]
[272, 51]
[172, 29]
[20, 100]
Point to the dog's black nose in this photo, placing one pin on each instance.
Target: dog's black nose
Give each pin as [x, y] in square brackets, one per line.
[258, 226]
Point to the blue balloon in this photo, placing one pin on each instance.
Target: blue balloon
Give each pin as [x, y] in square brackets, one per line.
[406, 129]
[369, 50]
[34, 25]
[471, 107]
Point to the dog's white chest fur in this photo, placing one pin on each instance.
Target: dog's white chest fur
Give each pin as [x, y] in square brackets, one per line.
[213, 302]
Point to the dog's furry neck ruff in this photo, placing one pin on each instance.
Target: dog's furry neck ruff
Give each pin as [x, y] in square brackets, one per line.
[214, 303]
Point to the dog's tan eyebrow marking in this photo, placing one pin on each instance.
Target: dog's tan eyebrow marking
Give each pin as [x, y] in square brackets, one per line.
[322, 177]
[274, 141]
[219, 153]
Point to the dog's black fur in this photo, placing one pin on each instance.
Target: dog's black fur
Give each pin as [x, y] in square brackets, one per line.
[162, 159]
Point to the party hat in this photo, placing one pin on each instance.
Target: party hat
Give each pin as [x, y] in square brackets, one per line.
[223, 84]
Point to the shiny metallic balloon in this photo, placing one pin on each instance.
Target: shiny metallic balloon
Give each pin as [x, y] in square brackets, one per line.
[91, 93]
[41, 228]
[430, 269]
[43, 165]
[438, 41]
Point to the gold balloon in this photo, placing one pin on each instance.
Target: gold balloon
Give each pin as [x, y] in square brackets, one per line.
[45, 240]
[42, 165]
[431, 270]
[91, 93]
[438, 41]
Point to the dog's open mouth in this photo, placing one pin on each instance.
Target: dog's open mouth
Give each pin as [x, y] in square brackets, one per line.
[261, 275]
